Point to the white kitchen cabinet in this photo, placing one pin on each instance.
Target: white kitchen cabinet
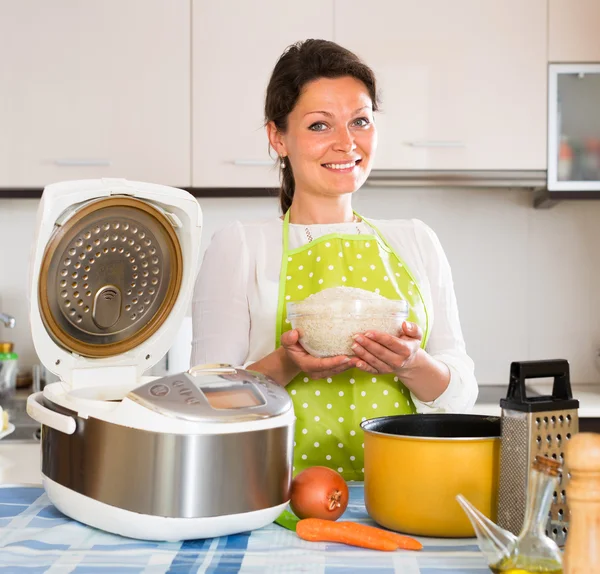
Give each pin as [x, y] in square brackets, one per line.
[235, 48]
[574, 31]
[94, 89]
[463, 82]
[574, 127]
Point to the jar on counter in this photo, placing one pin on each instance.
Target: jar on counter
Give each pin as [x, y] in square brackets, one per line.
[8, 367]
[591, 159]
[565, 161]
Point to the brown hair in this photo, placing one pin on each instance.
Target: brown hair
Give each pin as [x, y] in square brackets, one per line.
[300, 64]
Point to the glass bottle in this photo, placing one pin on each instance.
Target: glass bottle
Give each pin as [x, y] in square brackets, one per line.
[8, 367]
[534, 551]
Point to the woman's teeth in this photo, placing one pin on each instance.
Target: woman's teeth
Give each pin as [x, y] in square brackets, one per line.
[340, 165]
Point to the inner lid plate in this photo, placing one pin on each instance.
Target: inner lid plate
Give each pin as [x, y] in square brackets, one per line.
[110, 277]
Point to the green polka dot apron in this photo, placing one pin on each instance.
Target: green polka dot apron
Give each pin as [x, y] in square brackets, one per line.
[329, 411]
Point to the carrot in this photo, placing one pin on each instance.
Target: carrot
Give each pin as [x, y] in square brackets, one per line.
[404, 542]
[354, 534]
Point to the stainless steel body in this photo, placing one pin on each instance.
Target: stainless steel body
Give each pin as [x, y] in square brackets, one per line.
[171, 475]
[530, 427]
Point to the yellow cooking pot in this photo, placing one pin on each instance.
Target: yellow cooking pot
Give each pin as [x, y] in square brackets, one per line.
[415, 465]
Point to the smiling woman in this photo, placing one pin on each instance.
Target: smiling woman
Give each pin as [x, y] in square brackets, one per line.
[327, 152]
[319, 112]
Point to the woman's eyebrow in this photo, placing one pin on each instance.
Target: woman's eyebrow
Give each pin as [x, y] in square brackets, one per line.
[319, 112]
[329, 114]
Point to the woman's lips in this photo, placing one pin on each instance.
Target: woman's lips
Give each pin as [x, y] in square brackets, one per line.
[342, 167]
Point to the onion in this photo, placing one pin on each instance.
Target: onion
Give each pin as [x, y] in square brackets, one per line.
[319, 492]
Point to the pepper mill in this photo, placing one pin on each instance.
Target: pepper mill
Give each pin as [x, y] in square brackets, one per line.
[582, 550]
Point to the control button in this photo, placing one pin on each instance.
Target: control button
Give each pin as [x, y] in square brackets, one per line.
[159, 390]
[178, 384]
[191, 401]
[185, 392]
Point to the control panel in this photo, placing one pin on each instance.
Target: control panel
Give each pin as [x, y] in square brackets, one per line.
[237, 395]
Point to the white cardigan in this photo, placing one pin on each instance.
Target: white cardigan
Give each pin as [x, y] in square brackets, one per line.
[235, 300]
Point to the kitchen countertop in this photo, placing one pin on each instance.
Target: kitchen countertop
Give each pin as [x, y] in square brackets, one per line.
[20, 461]
[588, 395]
[268, 549]
[38, 536]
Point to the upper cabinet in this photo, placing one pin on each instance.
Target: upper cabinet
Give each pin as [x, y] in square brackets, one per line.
[463, 83]
[235, 48]
[94, 89]
[173, 92]
[574, 31]
[574, 127]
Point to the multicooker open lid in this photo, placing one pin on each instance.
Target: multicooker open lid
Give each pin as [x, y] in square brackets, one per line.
[113, 271]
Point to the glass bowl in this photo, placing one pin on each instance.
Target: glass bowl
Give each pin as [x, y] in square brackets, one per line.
[326, 328]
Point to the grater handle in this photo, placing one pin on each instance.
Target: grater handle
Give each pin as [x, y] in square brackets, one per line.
[522, 370]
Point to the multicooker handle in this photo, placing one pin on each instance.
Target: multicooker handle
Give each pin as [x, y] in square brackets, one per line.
[38, 412]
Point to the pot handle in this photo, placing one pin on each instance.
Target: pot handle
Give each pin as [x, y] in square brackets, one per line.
[45, 416]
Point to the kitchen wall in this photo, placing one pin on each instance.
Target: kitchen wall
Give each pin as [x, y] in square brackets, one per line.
[527, 281]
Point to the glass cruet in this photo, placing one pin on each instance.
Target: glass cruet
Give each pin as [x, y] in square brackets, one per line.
[533, 551]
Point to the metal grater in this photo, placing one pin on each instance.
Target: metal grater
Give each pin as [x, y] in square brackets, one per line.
[535, 426]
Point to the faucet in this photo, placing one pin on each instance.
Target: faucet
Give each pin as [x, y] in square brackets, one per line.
[7, 320]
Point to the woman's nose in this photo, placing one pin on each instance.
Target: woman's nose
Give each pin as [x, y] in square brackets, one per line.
[345, 141]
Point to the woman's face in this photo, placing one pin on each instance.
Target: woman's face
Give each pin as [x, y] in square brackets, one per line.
[331, 137]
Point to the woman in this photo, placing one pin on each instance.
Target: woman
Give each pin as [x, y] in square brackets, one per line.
[319, 118]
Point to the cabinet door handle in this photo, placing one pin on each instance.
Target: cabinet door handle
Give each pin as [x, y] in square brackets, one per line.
[429, 143]
[254, 162]
[82, 162]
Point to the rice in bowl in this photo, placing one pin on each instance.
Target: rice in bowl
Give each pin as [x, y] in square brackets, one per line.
[327, 321]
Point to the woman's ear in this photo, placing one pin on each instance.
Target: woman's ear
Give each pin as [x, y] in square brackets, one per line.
[276, 139]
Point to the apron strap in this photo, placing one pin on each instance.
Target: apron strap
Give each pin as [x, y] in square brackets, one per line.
[282, 276]
[376, 230]
[286, 230]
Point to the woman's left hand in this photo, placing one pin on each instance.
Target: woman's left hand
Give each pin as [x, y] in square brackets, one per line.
[380, 353]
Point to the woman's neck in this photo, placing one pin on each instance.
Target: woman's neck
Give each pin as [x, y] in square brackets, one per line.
[307, 210]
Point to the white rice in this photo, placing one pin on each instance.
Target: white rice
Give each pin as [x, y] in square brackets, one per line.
[327, 320]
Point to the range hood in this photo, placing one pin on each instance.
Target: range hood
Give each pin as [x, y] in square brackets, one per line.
[528, 179]
[535, 181]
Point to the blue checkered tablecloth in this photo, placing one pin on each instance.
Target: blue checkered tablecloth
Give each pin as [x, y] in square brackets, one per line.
[35, 537]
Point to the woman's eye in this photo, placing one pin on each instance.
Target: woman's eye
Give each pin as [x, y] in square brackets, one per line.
[362, 122]
[318, 127]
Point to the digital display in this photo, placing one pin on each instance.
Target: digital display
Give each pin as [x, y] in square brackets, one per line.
[233, 397]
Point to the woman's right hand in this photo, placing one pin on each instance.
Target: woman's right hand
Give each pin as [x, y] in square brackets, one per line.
[314, 367]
